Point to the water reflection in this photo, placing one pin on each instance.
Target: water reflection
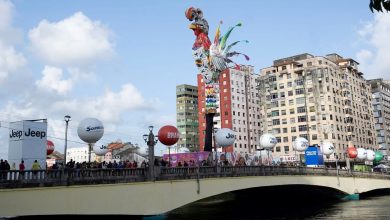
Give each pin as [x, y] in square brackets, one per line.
[286, 203]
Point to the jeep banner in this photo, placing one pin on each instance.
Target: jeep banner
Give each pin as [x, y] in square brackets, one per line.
[27, 141]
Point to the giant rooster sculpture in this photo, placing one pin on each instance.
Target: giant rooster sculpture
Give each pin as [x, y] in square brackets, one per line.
[211, 59]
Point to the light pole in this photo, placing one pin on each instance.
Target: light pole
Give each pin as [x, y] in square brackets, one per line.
[169, 156]
[151, 140]
[66, 119]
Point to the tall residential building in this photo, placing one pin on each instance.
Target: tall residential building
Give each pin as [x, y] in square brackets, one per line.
[381, 107]
[318, 98]
[238, 110]
[187, 116]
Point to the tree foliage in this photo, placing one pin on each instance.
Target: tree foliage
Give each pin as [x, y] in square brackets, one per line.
[379, 5]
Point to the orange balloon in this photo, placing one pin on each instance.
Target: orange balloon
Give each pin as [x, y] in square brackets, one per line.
[168, 135]
[49, 147]
[352, 152]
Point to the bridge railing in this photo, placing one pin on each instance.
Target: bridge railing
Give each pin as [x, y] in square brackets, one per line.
[40, 178]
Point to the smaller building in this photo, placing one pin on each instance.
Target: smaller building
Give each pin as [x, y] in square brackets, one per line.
[381, 108]
[187, 116]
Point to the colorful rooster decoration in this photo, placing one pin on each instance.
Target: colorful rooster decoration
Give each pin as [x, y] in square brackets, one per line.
[211, 59]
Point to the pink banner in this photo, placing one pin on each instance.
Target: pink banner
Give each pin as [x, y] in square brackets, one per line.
[196, 157]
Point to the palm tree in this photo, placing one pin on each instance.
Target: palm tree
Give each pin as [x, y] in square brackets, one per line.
[379, 5]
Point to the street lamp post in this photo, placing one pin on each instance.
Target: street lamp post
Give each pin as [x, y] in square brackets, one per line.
[151, 140]
[66, 119]
[169, 156]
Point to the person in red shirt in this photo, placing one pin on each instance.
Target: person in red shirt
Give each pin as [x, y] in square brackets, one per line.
[21, 169]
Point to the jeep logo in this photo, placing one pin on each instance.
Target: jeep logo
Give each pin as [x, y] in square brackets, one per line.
[29, 133]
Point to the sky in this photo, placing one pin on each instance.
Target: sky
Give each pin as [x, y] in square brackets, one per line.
[120, 61]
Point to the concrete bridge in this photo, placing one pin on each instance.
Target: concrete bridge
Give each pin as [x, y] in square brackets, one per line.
[127, 191]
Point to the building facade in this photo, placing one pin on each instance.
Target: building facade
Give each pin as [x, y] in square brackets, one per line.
[187, 116]
[318, 98]
[238, 110]
[381, 107]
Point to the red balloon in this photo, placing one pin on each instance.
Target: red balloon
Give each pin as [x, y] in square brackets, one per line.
[352, 152]
[49, 147]
[168, 135]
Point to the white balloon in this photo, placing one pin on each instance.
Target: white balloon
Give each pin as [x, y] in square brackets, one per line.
[268, 141]
[370, 155]
[225, 137]
[327, 148]
[362, 153]
[100, 150]
[90, 130]
[300, 144]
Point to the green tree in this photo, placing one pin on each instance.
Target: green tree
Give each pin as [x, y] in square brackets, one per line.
[379, 5]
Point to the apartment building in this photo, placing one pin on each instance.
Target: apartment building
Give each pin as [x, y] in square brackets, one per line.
[187, 116]
[239, 108]
[381, 108]
[320, 98]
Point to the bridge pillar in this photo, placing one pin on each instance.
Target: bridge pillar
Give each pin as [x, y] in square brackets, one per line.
[354, 196]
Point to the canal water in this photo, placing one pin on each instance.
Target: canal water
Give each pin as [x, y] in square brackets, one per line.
[286, 203]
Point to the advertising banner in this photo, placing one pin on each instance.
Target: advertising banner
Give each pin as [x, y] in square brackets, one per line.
[313, 156]
[27, 141]
[196, 157]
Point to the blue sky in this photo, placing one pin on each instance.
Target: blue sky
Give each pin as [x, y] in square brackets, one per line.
[120, 61]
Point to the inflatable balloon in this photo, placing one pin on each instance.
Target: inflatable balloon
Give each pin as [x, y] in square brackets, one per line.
[168, 135]
[327, 148]
[370, 155]
[362, 153]
[352, 152]
[378, 156]
[90, 130]
[49, 147]
[225, 137]
[300, 144]
[100, 150]
[268, 141]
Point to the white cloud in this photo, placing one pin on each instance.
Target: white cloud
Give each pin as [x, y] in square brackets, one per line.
[108, 107]
[52, 81]
[5, 14]
[10, 60]
[74, 40]
[374, 61]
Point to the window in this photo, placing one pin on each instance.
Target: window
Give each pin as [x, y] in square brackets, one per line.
[293, 129]
[301, 109]
[276, 122]
[285, 139]
[277, 149]
[283, 112]
[302, 127]
[302, 118]
[286, 149]
[291, 102]
[275, 113]
[292, 111]
[300, 100]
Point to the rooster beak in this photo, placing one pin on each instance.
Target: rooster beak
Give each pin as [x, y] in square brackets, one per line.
[192, 26]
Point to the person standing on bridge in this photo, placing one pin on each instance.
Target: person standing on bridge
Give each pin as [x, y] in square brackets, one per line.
[21, 169]
[35, 167]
